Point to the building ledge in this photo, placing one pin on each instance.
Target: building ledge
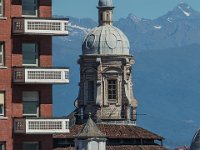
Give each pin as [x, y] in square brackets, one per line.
[40, 26]
[41, 125]
[3, 67]
[38, 75]
[3, 118]
[3, 18]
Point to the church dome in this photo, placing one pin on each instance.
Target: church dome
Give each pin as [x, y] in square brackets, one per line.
[105, 3]
[106, 40]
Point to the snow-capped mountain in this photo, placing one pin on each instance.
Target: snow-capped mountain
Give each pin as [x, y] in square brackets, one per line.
[166, 73]
[178, 27]
[183, 10]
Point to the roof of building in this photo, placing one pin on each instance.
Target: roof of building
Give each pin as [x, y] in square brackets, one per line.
[195, 145]
[105, 3]
[114, 132]
[106, 40]
[126, 147]
[90, 130]
[135, 147]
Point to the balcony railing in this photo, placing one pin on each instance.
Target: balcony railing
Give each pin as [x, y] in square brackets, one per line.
[40, 26]
[41, 126]
[24, 75]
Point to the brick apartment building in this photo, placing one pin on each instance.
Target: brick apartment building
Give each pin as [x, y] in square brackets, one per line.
[27, 75]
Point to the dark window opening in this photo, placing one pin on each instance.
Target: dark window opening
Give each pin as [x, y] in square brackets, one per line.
[90, 90]
[112, 89]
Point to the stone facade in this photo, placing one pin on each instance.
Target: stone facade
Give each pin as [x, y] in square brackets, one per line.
[106, 87]
[101, 69]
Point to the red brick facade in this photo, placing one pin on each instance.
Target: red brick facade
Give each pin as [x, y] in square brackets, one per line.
[13, 92]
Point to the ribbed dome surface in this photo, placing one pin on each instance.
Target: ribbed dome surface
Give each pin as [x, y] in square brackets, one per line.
[105, 40]
[105, 3]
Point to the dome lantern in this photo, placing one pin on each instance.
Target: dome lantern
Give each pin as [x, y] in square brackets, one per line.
[105, 3]
[105, 12]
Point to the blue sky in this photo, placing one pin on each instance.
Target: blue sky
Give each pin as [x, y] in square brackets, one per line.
[143, 8]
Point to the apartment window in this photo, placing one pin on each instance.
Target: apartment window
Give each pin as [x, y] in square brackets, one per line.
[2, 99]
[2, 145]
[30, 145]
[112, 89]
[90, 90]
[1, 54]
[1, 8]
[30, 54]
[30, 103]
[29, 7]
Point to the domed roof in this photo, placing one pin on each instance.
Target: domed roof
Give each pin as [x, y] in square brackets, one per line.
[105, 40]
[105, 3]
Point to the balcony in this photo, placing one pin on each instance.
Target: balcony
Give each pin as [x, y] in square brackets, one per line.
[40, 26]
[40, 126]
[27, 75]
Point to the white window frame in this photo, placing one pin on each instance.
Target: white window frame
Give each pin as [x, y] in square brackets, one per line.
[36, 55]
[2, 103]
[31, 100]
[2, 8]
[36, 10]
[38, 147]
[2, 53]
[3, 144]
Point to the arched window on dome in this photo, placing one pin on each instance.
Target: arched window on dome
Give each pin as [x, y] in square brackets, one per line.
[101, 17]
[107, 16]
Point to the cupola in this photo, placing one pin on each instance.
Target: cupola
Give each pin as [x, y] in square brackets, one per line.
[105, 39]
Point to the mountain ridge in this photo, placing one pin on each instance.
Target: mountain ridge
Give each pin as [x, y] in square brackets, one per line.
[174, 29]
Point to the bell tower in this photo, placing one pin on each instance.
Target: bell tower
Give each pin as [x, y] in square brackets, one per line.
[106, 87]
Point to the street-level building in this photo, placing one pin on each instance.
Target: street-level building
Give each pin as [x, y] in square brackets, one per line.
[106, 91]
[27, 75]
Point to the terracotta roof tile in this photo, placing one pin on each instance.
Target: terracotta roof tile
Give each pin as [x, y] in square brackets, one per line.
[138, 147]
[125, 147]
[114, 132]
